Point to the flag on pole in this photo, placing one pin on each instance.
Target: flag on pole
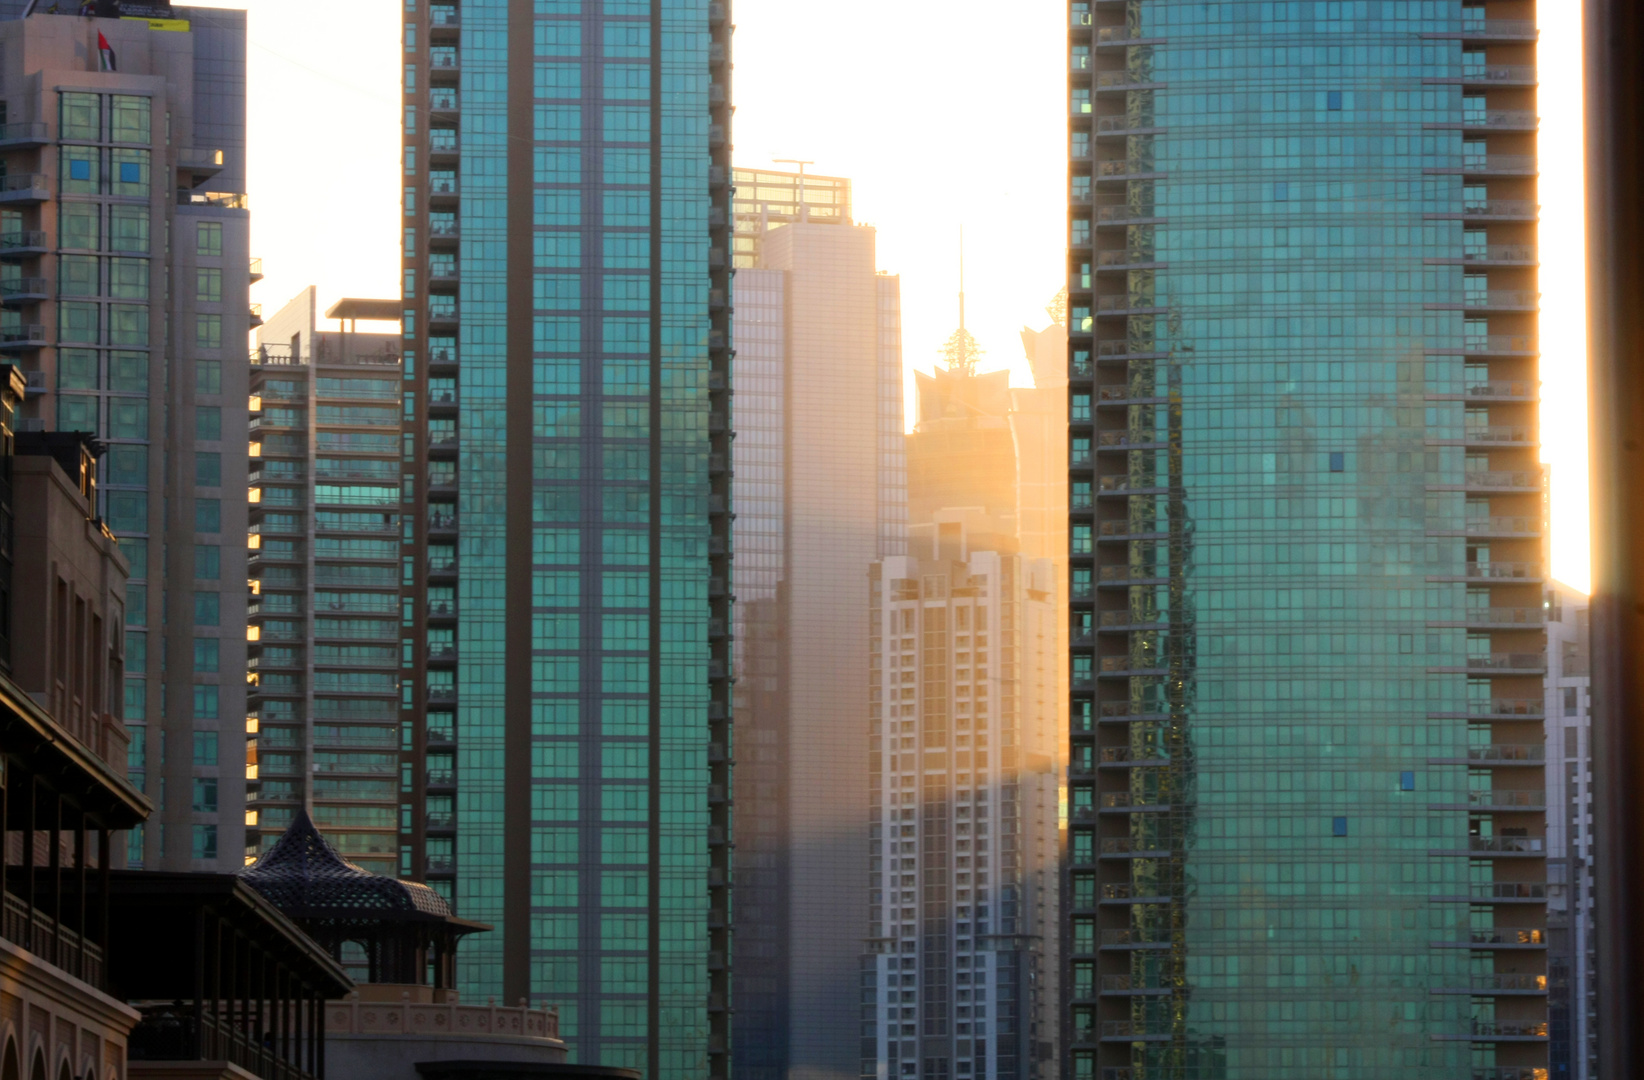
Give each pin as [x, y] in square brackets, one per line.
[105, 53]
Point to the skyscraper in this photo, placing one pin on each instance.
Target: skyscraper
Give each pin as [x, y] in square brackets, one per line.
[325, 536]
[960, 975]
[125, 279]
[1572, 946]
[820, 495]
[566, 359]
[1306, 543]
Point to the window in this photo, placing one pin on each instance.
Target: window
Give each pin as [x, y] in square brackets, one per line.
[208, 331]
[208, 423]
[1407, 781]
[1281, 191]
[128, 324]
[80, 116]
[128, 229]
[208, 515]
[79, 226]
[127, 464]
[77, 275]
[205, 748]
[78, 322]
[128, 418]
[208, 377]
[205, 794]
[128, 279]
[208, 238]
[207, 608]
[1571, 700]
[128, 371]
[208, 284]
[76, 369]
[1338, 826]
[208, 562]
[1338, 461]
[205, 841]
[1333, 100]
[208, 471]
[205, 703]
[128, 119]
[129, 172]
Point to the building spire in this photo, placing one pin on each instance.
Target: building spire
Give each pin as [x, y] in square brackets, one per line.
[960, 350]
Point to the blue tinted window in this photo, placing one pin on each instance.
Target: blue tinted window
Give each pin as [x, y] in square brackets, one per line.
[1338, 461]
[1407, 781]
[1281, 191]
[1338, 826]
[1334, 100]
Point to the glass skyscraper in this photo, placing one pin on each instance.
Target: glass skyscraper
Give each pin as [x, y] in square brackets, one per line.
[1306, 812]
[566, 361]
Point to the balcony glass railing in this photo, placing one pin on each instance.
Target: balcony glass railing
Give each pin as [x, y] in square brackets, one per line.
[1521, 800]
[1501, 433]
[1504, 299]
[1499, 208]
[1503, 571]
[1505, 845]
[1501, 118]
[1504, 526]
[1526, 752]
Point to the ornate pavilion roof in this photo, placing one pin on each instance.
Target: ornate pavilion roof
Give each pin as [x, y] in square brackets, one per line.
[305, 878]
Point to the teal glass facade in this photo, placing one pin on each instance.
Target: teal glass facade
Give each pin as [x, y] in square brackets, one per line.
[566, 343]
[1306, 819]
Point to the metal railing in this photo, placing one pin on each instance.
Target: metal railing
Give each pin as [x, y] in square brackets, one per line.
[1509, 1028]
[25, 182]
[1506, 845]
[1499, 28]
[1515, 388]
[1504, 526]
[1508, 752]
[25, 131]
[1503, 571]
[1508, 890]
[31, 238]
[1501, 118]
[1506, 299]
[1503, 433]
[1518, 800]
[1500, 208]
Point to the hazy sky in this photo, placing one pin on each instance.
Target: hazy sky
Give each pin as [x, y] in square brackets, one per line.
[942, 115]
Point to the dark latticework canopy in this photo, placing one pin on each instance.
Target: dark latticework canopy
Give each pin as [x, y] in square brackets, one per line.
[404, 927]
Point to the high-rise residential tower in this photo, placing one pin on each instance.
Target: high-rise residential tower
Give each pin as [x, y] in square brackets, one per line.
[1305, 830]
[124, 279]
[820, 496]
[566, 332]
[960, 978]
[325, 567]
[1572, 946]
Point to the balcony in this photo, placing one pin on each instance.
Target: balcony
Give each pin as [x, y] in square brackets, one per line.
[442, 652]
[1514, 435]
[1133, 575]
[1496, 300]
[1124, 35]
[1501, 481]
[1528, 618]
[352, 1016]
[1503, 571]
[22, 245]
[1499, 389]
[1132, 938]
[1506, 938]
[1495, 1030]
[15, 336]
[1530, 755]
[443, 100]
[1494, 120]
[25, 188]
[1125, 214]
[20, 135]
[442, 609]
[1505, 527]
[1499, 209]
[1494, 75]
[15, 292]
[1517, 663]
[1127, 757]
[1125, 484]
[1130, 986]
[1124, 125]
[1136, 1031]
[1137, 392]
[1124, 847]
[1506, 845]
[1489, 30]
[1125, 802]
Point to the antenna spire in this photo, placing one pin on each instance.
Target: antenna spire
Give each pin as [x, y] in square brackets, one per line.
[960, 350]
